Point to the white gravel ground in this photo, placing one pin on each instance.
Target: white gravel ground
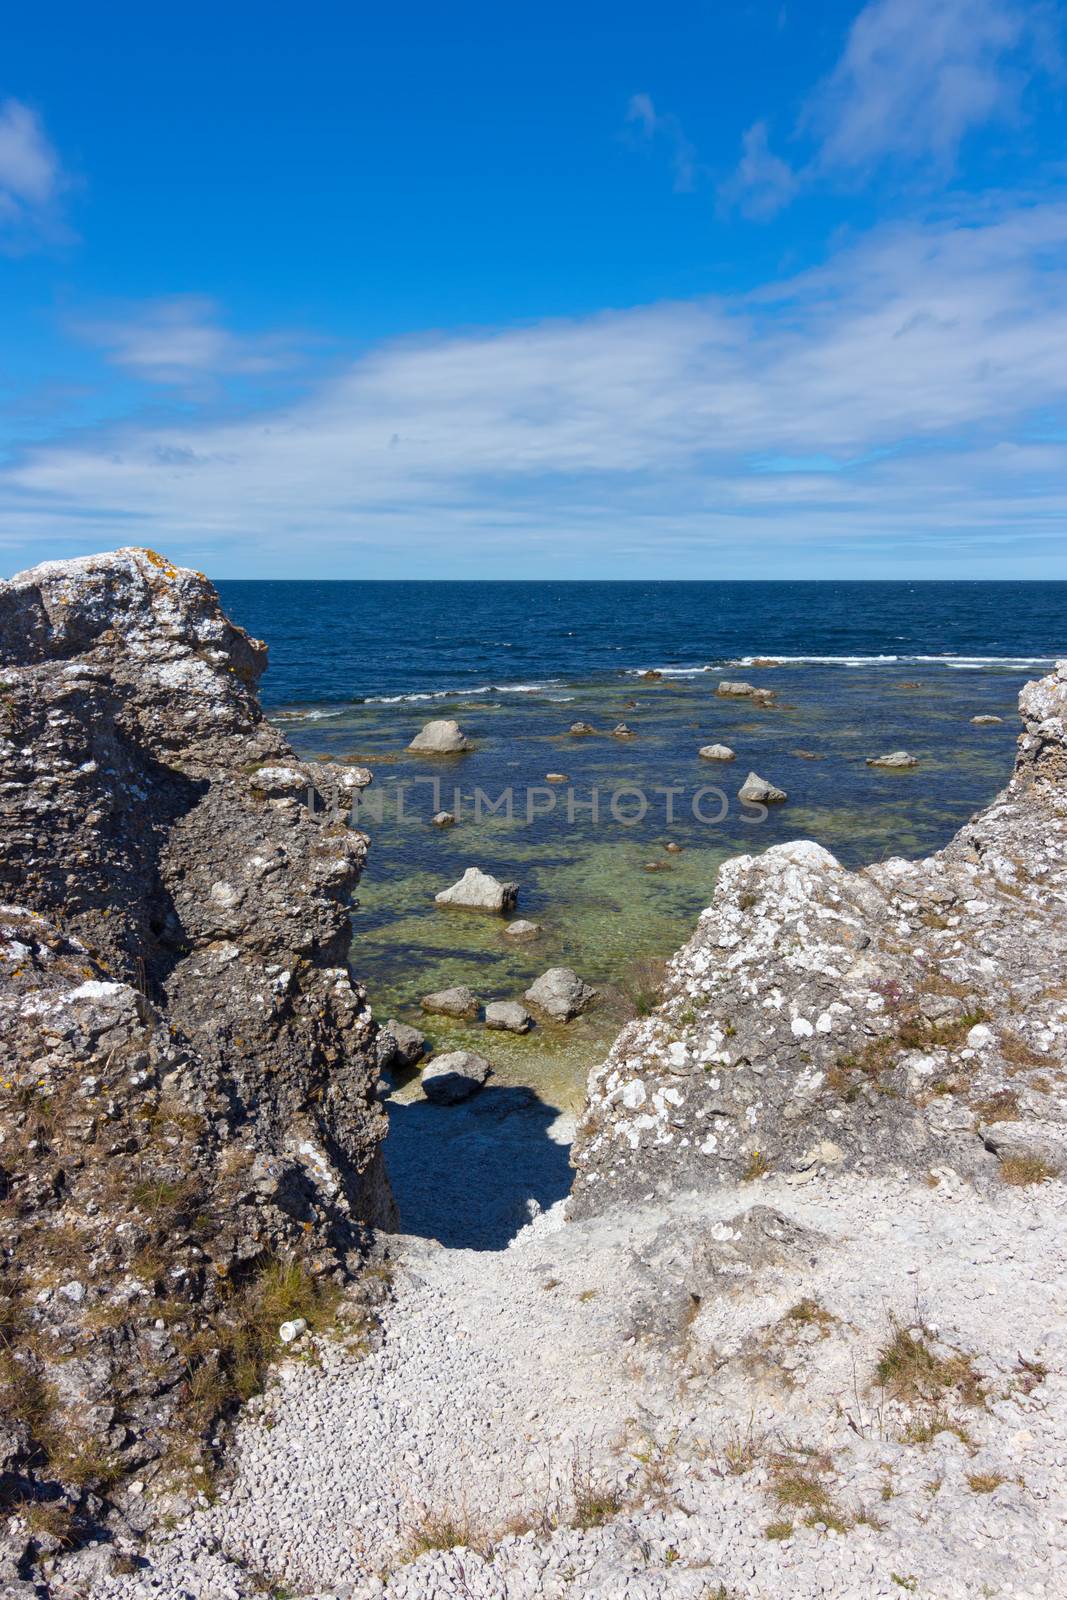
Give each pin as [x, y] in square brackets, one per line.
[506, 1381]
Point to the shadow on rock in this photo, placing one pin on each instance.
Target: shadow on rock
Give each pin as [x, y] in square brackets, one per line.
[472, 1175]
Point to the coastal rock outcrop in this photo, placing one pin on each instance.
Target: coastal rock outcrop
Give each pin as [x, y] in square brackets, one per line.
[189, 1070]
[897, 1016]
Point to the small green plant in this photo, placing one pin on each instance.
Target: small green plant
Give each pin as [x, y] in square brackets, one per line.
[757, 1166]
[908, 1583]
[778, 1530]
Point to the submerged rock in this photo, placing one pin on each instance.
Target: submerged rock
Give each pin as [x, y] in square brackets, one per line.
[479, 891]
[897, 759]
[580, 729]
[521, 929]
[560, 994]
[454, 1076]
[443, 819]
[716, 752]
[443, 737]
[509, 1016]
[555, 777]
[757, 791]
[986, 721]
[458, 1001]
[739, 690]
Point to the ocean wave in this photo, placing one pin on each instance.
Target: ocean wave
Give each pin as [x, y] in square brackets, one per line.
[456, 694]
[304, 716]
[959, 662]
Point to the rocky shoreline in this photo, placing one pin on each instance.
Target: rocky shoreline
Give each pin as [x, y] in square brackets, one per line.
[799, 1329]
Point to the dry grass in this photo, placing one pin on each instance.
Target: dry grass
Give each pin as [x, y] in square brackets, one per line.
[910, 1371]
[1019, 1171]
[1003, 1106]
[798, 1487]
[985, 1482]
[808, 1313]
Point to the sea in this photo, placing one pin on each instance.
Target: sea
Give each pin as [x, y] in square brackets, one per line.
[858, 669]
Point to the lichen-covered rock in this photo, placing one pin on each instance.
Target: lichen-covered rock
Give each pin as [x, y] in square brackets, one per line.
[188, 1089]
[894, 1017]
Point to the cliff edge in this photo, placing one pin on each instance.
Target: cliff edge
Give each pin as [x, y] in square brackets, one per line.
[190, 1146]
[911, 1015]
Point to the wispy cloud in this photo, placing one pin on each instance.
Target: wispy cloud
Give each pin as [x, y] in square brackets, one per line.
[913, 388]
[180, 341]
[31, 180]
[914, 78]
[763, 183]
[654, 126]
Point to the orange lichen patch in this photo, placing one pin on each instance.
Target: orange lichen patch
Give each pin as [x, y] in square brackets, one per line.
[166, 567]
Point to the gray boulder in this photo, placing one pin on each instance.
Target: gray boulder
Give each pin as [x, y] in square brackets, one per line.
[757, 791]
[443, 819]
[508, 1016]
[479, 891]
[442, 737]
[621, 731]
[716, 752]
[399, 1045]
[560, 994]
[456, 1002]
[454, 1076]
[986, 721]
[581, 728]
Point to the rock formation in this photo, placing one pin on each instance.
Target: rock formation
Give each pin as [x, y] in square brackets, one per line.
[908, 1016]
[191, 1137]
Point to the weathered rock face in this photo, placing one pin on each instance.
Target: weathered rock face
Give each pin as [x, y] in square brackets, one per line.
[894, 1017]
[188, 1082]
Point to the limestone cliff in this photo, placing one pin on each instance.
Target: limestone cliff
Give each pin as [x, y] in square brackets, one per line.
[190, 1135]
[910, 1015]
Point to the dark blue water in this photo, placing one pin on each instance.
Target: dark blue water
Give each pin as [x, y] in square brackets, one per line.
[343, 641]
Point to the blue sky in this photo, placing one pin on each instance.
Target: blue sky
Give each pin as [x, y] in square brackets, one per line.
[572, 291]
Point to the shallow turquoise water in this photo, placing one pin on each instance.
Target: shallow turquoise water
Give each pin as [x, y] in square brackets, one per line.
[587, 881]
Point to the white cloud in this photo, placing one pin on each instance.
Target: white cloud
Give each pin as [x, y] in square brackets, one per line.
[915, 77]
[31, 179]
[913, 389]
[653, 125]
[181, 341]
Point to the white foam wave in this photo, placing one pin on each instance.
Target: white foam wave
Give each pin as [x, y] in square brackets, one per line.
[456, 694]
